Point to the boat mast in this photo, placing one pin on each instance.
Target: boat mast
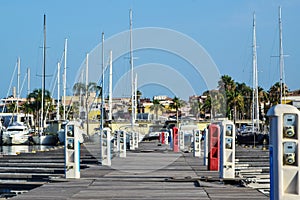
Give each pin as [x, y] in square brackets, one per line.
[18, 90]
[86, 93]
[102, 87]
[281, 61]
[65, 77]
[110, 88]
[58, 91]
[28, 81]
[135, 93]
[43, 76]
[255, 105]
[132, 78]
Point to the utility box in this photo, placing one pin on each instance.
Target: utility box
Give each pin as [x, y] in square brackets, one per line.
[117, 143]
[227, 150]
[166, 137]
[175, 139]
[162, 137]
[181, 140]
[284, 152]
[131, 140]
[171, 138]
[205, 147]
[123, 144]
[136, 139]
[213, 147]
[72, 151]
[197, 143]
[106, 147]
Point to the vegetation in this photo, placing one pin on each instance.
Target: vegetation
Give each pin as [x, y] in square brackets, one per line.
[237, 98]
[34, 103]
[232, 100]
[156, 107]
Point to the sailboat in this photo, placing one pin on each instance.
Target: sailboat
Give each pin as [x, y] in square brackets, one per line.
[44, 137]
[18, 130]
[252, 134]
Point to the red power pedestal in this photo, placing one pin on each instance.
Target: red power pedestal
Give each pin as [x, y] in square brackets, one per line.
[175, 139]
[162, 138]
[213, 147]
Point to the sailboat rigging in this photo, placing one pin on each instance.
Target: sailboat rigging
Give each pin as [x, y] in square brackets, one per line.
[133, 81]
[255, 105]
[252, 134]
[281, 60]
[43, 77]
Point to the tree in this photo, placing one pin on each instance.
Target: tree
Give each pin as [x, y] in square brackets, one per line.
[263, 97]
[35, 102]
[176, 104]
[274, 93]
[235, 100]
[195, 108]
[157, 106]
[246, 92]
[217, 103]
[226, 84]
[79, 89]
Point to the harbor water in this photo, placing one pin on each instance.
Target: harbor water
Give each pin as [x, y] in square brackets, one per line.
[17, 149]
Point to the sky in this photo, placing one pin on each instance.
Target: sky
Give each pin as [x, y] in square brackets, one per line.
[222, 28]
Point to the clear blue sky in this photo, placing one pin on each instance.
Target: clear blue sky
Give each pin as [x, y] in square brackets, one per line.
[223, 28]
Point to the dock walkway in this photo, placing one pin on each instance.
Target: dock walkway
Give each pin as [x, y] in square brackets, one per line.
[150, 172]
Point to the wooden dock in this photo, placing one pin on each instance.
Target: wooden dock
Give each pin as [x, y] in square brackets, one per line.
[151, 172]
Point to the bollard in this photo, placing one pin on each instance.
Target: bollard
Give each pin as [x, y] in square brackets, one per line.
[284, 152]
[72, 150]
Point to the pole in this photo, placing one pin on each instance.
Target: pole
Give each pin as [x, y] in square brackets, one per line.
[18, 90]
[43, 79]
[254, 81]
[135, 95]
[281, 61]
[58, 91]
[110, 88]
[131, 66]
[28, 81]
[102, 88]
[65, 76]
[86, 93]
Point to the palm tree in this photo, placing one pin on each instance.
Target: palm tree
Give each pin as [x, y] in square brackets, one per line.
[176, 104]
[157, 106]
[246, 92]
[235, 101]
[195, 108]
[34, 100]
[206, 108]
[274, 93]
[263, 97]
[79, 89]
[138, 97]
[226, 84]
[217, 103]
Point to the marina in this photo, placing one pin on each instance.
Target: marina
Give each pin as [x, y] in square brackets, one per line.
[148, 114]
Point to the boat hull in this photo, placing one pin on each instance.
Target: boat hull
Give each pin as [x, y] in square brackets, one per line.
[45, 139]
[15, 139]
[250, 139]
